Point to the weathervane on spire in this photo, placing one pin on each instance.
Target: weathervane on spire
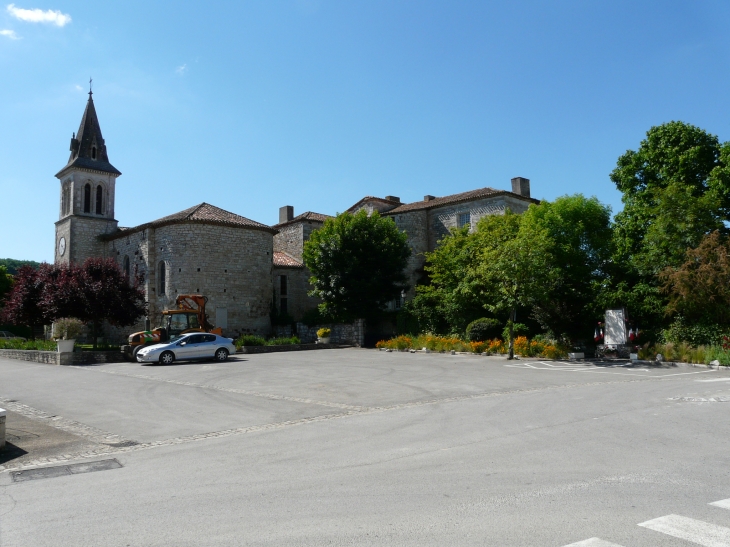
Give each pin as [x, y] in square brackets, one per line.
[90, 92]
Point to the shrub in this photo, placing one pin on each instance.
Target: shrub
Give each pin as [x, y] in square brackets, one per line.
[250, 340]
[283, 341]
[399, 342]
[324, 332]
[482, 329]
[520, 329]
[695, 334]
[38, 345]
[314, 317]
[67, 329]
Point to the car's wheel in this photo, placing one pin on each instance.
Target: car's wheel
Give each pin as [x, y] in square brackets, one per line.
[221, 355]
[167, 358]
[135, 351]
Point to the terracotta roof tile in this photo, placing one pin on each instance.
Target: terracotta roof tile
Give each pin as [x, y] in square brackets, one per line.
[454, 198]
[202, 214]
[283, 260]
[309, 215]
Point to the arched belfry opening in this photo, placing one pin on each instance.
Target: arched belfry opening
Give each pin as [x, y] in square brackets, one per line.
[87, 198]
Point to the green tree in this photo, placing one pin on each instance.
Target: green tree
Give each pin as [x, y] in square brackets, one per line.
[514, 265]
[449, 301]
[579, 230]
[6, 282]
[676, 189]
[357, 264]
[699, 289]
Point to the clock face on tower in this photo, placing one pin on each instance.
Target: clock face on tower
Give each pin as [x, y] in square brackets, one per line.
[61, 246]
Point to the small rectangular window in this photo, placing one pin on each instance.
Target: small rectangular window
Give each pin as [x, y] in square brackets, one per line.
[283, 308]
[464, 220]
[283, 285]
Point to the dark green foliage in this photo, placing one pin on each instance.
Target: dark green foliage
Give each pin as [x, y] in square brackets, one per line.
[695, 333]
[6, 282]
[484, 328]
[520, 329]
[250, 340]
[314, 317]
[283, 341]
[579, 232]
[14, 265]
[357, 264]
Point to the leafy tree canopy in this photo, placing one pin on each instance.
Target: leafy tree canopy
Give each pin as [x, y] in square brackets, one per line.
[699, 289]
[676, 189]
[357, 264]
[14, 265]
[6, 281]
[580, 247]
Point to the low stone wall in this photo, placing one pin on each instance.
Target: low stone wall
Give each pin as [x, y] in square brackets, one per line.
[342, 333]
[55, 358]
[286, 347]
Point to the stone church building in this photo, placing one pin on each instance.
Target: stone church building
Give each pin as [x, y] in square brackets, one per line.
[244, 267]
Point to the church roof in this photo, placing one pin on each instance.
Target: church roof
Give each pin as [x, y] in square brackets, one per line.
[199, 214]
[88, 149]
[309, 215]
[283, 260]
[455, 198]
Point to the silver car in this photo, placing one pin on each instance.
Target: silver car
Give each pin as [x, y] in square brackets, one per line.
[194, 345]
[5, 335]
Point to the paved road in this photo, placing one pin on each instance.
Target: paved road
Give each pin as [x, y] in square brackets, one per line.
[360, 447]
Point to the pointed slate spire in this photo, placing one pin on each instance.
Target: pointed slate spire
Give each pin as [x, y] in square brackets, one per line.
[88, 149]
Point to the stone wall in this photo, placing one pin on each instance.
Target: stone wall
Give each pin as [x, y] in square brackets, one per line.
[55, 358]
[342, 333]
[298, 303]
[415, 224]
[442, 219]
[232, 266]
[290, 240]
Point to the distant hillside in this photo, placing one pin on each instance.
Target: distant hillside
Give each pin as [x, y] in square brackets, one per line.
[12, 264]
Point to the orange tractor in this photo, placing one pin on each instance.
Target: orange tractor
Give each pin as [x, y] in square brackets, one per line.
[188, 317]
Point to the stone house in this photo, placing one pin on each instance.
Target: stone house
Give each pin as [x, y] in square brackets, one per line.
[244, 267]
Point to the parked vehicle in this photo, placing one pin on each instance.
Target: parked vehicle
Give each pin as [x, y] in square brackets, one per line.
[188, 317]
[188, 346]
[5, 335]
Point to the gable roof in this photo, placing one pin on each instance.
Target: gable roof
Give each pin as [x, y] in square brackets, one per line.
[283, 260]
[88, 137]
[480, 193]
[199, 214]
[374, 198]
[309, 215]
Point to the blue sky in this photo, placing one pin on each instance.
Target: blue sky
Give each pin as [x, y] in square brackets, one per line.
[315, 103]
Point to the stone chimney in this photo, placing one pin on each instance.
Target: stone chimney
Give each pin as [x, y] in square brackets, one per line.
[521, 186]
[286, 213]
[428, 198]
[393, 198]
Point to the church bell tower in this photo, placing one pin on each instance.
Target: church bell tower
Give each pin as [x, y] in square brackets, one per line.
[87, 194]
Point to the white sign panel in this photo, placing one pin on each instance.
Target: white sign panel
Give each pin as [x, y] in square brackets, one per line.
[615, 332]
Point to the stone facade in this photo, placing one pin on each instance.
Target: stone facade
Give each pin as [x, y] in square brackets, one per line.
[241, 266]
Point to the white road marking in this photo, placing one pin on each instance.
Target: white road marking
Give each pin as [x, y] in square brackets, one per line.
[715, 380]
[696, 531]
[725, 504]
[594, 542]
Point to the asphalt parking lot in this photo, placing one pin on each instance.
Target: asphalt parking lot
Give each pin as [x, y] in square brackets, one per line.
[361, 447]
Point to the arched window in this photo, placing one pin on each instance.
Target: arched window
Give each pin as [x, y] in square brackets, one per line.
[162, 278]
[125, 265]
[87, 198]
[99, 194]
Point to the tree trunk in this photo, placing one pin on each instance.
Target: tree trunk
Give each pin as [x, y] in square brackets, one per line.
[94, 330]
[511, 324]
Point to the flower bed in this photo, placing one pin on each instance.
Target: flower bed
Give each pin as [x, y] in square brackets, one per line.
[527, 348]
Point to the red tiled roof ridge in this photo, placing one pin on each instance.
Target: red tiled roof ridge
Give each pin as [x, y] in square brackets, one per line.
[203, 213]
[285, 260]
[454, 198]
[308, 215]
